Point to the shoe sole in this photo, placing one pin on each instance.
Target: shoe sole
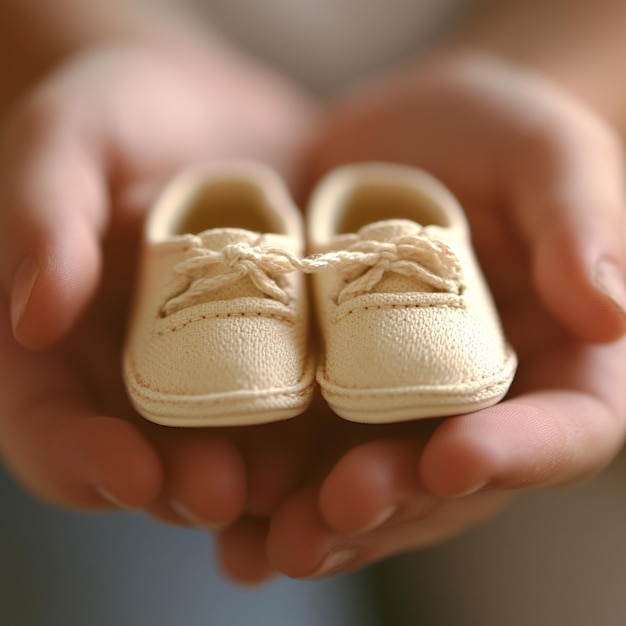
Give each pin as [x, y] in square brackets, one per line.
[236, 408]
[401, 404]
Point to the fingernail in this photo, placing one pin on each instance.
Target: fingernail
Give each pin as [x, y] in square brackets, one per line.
[610, 280]
[335, 562]
[105, 494]
[23, 283]
[182, 511]
[384, 516]
[475, 488]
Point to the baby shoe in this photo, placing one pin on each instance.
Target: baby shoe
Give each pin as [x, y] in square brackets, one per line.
[218, 333]
[408, 325]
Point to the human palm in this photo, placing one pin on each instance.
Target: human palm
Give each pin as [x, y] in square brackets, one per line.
[540, 179]
[81, 158]
[315, 494]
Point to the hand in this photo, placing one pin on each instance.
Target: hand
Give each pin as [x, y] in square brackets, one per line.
[80, 158]
[541, 179]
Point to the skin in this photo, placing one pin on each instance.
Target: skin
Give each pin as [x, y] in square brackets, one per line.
[527, 193]
[87, 139]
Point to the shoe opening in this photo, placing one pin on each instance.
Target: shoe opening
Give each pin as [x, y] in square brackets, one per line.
[373, 202]
[227, 203]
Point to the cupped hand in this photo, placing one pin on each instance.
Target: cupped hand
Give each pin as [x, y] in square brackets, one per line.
[541, 179]
[80, 158]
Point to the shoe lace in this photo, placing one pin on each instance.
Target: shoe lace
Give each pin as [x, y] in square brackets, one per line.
[419, 256]
[363, 265]
[262, 264]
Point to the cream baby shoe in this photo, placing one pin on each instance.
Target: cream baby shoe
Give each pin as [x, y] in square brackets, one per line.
[219, 329]
[408, 325]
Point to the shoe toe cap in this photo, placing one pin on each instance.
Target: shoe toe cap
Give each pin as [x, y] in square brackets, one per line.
[222, 355]
[414, 347]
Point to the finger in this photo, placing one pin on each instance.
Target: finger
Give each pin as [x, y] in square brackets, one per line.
[370, 483]
[277, 456]
[205, 479]
[567, 191]
[53, 211]
[69, 456]
[59, 446]
[415, 529]
[501, 133]
[242, 554]
[302, 545]
[273, 471]
[537, 439]
[540, 440]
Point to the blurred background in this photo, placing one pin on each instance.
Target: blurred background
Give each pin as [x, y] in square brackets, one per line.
[59, 568]
[553, 558]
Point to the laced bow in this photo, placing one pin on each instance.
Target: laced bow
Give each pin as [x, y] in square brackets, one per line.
[416, 256]
[363, 264]
[262, 264]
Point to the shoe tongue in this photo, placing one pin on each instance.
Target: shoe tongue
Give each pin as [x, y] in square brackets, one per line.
[217, 238]
[388, 230]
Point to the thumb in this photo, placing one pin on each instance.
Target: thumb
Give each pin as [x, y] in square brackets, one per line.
[569, 201]
[53, 211]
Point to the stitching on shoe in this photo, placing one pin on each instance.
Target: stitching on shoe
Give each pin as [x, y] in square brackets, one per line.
[380, 307]
[198, 318]
[143, 388]
[391, 394]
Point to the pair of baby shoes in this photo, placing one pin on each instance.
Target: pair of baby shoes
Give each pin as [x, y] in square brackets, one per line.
[219, 332]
